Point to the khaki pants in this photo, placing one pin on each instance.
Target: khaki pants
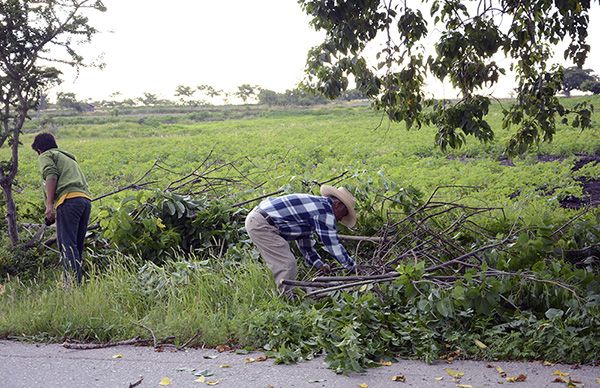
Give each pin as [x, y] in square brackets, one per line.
[273, 248]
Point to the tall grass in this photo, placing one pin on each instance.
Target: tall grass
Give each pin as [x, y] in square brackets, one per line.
[121, 302]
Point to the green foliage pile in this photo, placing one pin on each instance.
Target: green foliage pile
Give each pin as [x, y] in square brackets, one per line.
[526, 302]
[153, 227]
[415, 318]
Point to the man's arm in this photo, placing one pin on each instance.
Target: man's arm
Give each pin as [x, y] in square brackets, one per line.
[311, 256]
[50, 174]
[51, 182]
[325, 229]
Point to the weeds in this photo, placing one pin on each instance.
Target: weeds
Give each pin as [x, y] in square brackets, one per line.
[175, 300]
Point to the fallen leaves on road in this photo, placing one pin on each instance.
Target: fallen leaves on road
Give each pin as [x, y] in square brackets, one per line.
[200, 379]
[223, 348]
[559, 373]
[165, 381]
[118, 355]
[399, 378]
[454, 373]
[517, 379]
[440, 378]
[384, 363]
[363, 385]
[464, 386]
[547, 363]
[569, 381]
[212, 382]
[224, 366]
[249, 360]
[500, 371]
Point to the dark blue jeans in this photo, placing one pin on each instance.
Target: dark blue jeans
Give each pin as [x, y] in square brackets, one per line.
[72, 218]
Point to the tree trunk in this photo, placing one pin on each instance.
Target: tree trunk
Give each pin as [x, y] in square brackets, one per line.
[11, 213]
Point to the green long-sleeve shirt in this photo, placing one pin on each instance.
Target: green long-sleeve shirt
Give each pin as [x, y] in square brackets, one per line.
[63, 165]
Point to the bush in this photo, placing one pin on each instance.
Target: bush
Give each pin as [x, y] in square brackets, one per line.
[25, 263]
[156, 227]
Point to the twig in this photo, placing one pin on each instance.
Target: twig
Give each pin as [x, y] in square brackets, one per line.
[354, 278]
[132, 385]
[132, 186]
[570, 221]
[364, 238]
[302, 284]
[151, 333]
[189, 341]
[36, 237]
[348, 285]
[192, 173]
[281, 191]
[467, 255]
[257, 198]
[133, 341]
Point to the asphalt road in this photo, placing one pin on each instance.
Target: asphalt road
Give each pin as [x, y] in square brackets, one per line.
[40, 365]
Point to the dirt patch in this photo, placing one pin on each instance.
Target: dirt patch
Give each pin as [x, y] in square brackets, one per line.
[590, 186]
[461, 158]
[550, 158]
[591, 195]
[505, 161]
[585, 159]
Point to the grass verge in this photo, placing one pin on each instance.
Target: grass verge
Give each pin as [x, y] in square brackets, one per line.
[174, 300]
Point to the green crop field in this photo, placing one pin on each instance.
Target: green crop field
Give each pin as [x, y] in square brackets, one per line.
[524, 299]
[276, 147]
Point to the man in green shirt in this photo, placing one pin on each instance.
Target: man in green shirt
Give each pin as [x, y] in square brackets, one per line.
[67, 200]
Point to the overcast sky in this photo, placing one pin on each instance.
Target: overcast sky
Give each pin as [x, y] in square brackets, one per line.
[154, 45]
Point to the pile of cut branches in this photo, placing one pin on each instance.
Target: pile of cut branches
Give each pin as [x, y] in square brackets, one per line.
[445, 236]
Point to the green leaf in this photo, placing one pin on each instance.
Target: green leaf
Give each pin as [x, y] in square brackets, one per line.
[554, 313]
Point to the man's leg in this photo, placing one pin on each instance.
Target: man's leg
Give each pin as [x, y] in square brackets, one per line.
[68, 216]
[83, 225]
[273, 248]
[59, 241]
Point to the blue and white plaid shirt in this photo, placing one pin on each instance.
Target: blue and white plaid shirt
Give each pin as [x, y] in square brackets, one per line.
[297, 216]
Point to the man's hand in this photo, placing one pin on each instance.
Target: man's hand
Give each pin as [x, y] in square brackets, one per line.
[324, 270]
[50, 216]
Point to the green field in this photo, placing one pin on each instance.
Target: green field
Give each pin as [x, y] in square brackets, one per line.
[275, 146]
[228, 295]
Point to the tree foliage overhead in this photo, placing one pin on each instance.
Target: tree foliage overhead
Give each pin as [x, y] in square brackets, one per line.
[473, 34]
[34, 37]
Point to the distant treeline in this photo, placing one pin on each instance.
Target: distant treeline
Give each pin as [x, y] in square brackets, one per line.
[303, 98]
[203, 95]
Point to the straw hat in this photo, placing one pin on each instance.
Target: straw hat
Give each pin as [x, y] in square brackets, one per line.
[347, 199]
